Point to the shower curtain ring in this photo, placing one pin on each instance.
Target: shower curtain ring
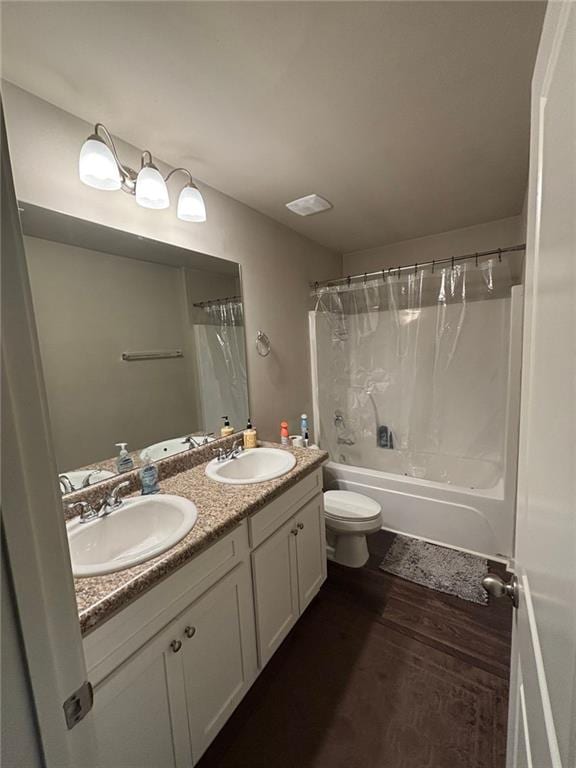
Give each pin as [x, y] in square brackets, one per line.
[433, 266]
[398, 274]
[416, 268]
[348, 280]
[452, 264]
[500, 254]
[476, 258]
[383, 274]
[365, 277]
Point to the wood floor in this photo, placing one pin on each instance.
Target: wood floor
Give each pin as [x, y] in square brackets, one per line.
[378, 673]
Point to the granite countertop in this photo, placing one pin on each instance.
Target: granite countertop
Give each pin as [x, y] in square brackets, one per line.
[221, 508]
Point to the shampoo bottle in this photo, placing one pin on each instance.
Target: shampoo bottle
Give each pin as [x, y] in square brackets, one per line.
[226, 430]
[250, 436]
[303, 425]
[149, 476]
[124, 462]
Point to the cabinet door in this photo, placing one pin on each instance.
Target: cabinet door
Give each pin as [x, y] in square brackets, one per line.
[219, 655]
[274, 572]
[311, 550]
[140, 709]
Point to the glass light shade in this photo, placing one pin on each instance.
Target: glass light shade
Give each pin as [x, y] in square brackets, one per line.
[191, 205]
[97, 167]
[151, 189]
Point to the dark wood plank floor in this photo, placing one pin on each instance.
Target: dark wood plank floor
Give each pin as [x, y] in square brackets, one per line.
[378, 673]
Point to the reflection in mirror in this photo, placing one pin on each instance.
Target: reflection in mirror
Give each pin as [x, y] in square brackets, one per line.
[141, 343]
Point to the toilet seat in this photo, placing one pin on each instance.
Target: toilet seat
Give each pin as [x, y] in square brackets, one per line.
[349, 506]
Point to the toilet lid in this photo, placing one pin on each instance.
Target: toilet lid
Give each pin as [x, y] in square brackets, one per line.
[347, 505]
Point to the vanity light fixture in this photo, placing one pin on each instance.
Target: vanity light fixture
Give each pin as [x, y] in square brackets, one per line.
[99, 166]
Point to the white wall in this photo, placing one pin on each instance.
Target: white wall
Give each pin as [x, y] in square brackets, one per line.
[481, 237]
[276, 262]
[90, 308]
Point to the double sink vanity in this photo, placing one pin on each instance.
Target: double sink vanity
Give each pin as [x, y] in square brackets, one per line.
[184, 596]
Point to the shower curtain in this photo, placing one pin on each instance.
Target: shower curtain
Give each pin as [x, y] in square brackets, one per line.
[222, 364]
[413, 370]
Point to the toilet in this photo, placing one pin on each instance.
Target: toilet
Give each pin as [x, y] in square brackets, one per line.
[350, 517]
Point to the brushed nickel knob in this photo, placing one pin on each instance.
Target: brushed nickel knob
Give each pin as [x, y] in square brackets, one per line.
[300, 526]
[294, 531]
[190, 631]
[176, 645]
[497, 587]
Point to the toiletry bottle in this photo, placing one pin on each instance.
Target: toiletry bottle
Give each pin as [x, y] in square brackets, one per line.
[303, 425]
[148, 476]
[250, 436]
[124, 462]
[226, 430]
[306, 439]
[284, 436]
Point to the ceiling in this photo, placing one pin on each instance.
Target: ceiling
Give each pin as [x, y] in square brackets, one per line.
[412, 118]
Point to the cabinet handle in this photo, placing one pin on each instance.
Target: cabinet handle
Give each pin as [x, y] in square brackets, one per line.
[176, 645]
[190, 631]
[300, 526]
[294, 532]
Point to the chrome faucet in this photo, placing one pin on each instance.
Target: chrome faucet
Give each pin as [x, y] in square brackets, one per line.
[233, 453]
[65, 484]
[109, 503]
[194, 442]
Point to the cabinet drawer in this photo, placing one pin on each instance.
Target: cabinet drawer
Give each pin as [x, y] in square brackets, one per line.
[264, 523]
[112, 643]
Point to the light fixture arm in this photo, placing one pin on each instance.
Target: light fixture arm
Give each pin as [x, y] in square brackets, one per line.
[127, 173]
[183, 170]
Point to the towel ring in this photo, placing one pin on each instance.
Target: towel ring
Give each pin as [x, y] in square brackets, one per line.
[263, 345]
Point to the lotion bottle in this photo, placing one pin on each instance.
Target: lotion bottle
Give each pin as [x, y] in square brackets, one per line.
[226, 430]
[124, 462]
[250, 436]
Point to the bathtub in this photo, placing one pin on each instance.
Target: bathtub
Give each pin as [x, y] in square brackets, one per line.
[475, 519]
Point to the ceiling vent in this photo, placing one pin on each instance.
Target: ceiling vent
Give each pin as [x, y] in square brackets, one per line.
[307, 206]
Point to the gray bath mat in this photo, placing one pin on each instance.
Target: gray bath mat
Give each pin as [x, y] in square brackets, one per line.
[446, 570]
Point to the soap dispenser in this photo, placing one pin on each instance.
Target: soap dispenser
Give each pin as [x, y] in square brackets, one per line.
[124, 462]
[226, 430]
[149, 475]
[250, 436]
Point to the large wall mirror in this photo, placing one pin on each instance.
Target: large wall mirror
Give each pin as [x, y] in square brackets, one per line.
[141, 343]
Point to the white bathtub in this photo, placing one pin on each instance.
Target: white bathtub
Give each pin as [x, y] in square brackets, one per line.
[478, 520]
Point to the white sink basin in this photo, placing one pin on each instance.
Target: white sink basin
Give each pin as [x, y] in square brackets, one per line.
[137, 531]
[175, 445]
[254, 465]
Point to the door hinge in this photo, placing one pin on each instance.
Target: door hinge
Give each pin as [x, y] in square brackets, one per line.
[77, 706]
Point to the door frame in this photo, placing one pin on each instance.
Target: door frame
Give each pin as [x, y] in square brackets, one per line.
[525, 627]
[33, 525]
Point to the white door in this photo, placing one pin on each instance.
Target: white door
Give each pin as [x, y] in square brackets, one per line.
[140, 709]
[274, 570]
[311, 550]
[218, 655]
[542, 725]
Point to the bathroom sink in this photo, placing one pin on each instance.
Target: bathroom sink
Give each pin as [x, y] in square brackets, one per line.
[138, 530]
[175, 445]
[254, 465]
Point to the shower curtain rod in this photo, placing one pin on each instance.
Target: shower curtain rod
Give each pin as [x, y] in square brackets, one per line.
[212, 302]
[387, 271]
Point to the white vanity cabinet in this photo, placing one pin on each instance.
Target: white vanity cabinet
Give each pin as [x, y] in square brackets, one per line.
[170, 668]
[288, 568]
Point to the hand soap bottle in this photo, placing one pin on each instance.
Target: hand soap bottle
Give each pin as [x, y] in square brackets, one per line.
[124, 462]
[226, 430]
[149, 476]
[250, 436]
